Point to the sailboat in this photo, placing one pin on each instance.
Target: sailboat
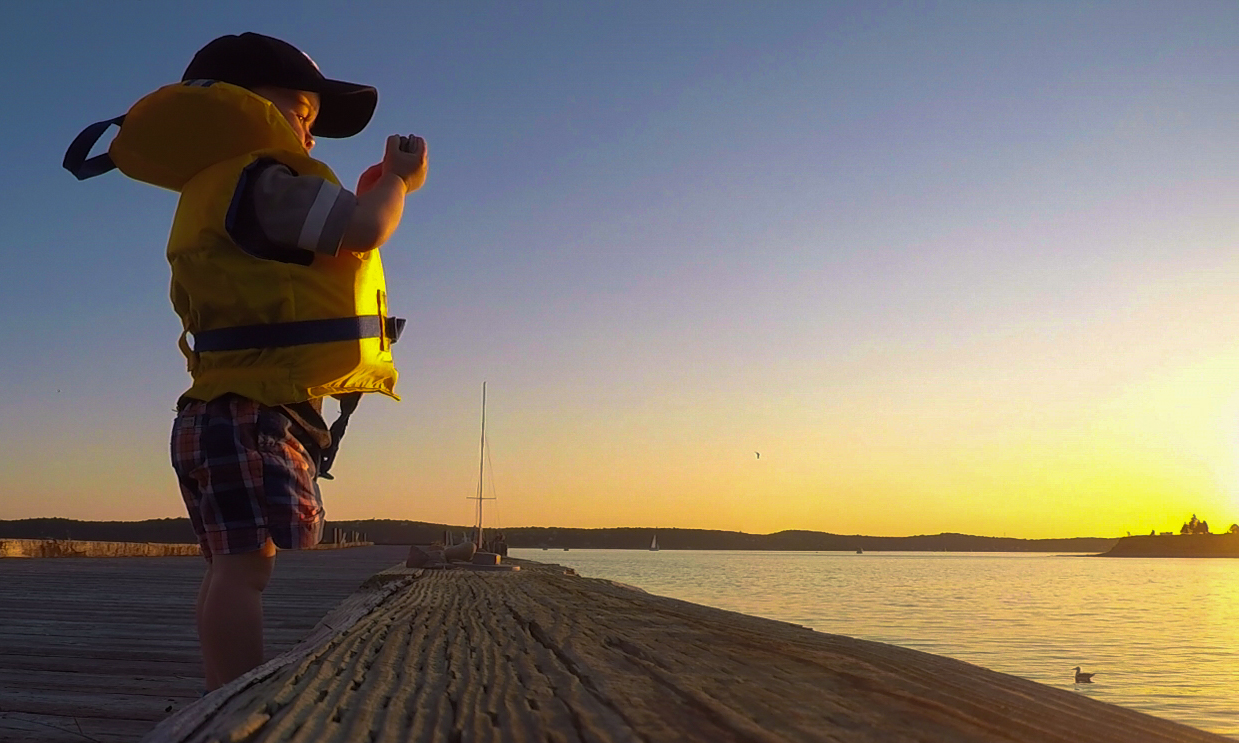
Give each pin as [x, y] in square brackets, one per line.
[654, 544]
[485, 558]
[477, 528]
[468, 553]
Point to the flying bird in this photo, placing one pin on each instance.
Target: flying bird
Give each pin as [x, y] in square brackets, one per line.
[756, 452]
[1083, 678]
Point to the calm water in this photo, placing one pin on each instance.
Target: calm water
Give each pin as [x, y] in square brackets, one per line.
[1161, 634]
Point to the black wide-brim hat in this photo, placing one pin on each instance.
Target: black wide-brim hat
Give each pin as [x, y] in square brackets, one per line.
[251, 60]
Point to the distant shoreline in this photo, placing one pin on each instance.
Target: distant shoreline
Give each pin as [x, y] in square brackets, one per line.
[386, 531]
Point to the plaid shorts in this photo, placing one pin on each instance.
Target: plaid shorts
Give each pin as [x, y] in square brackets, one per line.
[245, 477]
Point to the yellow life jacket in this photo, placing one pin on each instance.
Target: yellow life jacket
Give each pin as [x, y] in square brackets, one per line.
[280, 329]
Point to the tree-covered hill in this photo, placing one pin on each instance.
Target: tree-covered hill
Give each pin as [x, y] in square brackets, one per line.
[384, 531]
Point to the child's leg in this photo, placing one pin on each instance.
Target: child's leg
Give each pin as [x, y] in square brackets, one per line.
[212, 682]
[231, 615]
[248, 484]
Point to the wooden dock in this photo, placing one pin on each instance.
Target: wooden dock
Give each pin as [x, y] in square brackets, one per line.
[102, 649]
[544, 655]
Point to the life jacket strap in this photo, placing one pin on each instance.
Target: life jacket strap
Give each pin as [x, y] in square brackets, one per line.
[348, 404]
[303, 332]
[299, 333]
[76, 161]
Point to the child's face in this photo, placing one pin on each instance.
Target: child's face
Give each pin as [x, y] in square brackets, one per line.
[300, 107]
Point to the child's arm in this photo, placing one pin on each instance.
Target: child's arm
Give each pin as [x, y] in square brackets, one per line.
[380, 200]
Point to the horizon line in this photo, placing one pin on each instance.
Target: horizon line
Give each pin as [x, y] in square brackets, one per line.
[603, 528]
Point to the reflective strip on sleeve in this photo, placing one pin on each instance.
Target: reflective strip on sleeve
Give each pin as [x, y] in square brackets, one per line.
[316, 218]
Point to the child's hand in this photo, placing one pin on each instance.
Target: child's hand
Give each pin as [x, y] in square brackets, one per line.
[381, 191]
[408, 163]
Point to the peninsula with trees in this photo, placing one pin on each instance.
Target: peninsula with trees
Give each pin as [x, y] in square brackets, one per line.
[1193, 540]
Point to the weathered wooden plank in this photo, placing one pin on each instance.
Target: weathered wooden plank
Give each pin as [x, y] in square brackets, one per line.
[167, 649]
[95, 682]
[335, 627]
[124, 636]
[136, 615]
[176, 667]
[69, 627]
[84, 704]
[542, 656]
[18, 727]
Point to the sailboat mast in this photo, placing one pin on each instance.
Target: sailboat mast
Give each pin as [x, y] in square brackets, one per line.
[481, 469]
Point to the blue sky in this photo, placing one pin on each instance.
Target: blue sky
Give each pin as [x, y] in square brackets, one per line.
[927, 256]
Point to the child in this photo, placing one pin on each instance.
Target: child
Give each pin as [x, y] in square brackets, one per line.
[276, 275]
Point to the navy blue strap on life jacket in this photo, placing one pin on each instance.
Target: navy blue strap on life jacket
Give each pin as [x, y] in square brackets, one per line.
[76, 161]
[278, 335]
[300, 333]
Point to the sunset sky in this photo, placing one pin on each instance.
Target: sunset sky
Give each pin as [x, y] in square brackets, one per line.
[949, 266]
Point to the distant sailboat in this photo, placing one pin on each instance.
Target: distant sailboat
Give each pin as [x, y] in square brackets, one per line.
[654, 544]
[478, 535]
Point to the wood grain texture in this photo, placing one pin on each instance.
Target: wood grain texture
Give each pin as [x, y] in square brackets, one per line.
[103, 648]
[544, 655]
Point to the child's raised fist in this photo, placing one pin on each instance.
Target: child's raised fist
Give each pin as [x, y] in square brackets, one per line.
[406, 157]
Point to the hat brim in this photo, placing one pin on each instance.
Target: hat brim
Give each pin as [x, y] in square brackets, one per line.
[344, 108]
